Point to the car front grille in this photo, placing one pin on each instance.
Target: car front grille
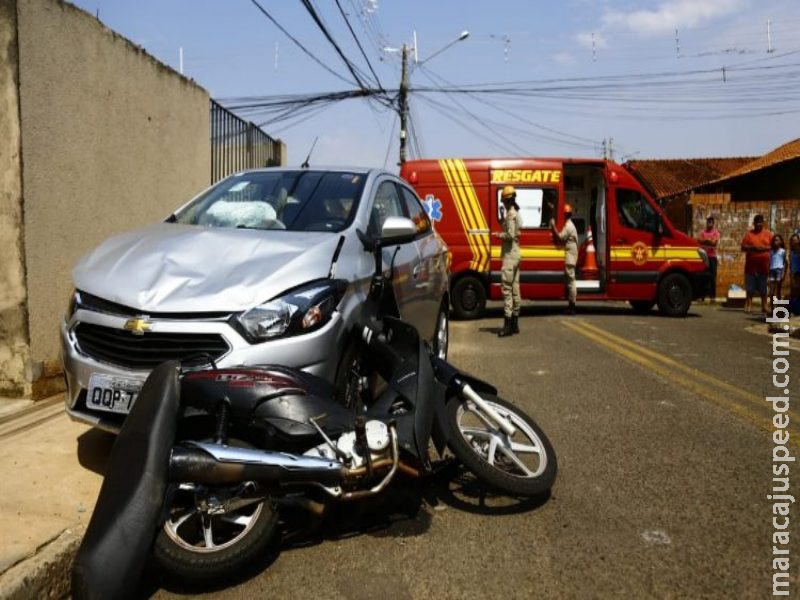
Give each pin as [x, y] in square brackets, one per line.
[120, 347]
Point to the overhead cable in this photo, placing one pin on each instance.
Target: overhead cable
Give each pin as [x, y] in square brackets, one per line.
[299, 45]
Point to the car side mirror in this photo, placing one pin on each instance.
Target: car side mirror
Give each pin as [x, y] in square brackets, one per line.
[398, 230]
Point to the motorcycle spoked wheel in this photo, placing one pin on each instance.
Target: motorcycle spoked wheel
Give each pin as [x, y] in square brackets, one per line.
[523, 465]
[200, 542]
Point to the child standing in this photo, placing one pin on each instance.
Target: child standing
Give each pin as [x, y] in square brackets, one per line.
[777, 267]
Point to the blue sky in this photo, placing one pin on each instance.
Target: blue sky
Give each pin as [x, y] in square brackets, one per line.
[591, 70]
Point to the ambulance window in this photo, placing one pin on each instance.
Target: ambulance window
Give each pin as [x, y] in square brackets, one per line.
[635, 212]
[387, 204]
[416, 212]
[536, 206]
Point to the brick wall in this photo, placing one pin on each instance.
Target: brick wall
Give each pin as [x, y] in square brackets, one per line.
[733, 220]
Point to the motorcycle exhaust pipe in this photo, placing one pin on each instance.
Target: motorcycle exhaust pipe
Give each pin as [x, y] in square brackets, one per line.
[215, 464]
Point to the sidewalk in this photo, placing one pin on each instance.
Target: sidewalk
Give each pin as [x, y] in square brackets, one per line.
[50, 471]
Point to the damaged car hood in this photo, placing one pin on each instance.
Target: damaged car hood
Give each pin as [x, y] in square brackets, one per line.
[184, 268]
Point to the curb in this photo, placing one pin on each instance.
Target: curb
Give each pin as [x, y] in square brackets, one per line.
[45, 574]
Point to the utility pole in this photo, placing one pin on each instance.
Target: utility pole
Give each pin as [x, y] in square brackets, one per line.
[402, 100]
[403, 105]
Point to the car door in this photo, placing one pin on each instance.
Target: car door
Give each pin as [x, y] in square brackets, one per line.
[634, 238]
[430, 276]
[388, 203]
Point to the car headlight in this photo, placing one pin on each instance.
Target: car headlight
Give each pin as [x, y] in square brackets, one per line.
[703, 255]
[298, 311]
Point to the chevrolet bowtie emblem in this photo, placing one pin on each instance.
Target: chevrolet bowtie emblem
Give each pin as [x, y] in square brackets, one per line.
[138, 325]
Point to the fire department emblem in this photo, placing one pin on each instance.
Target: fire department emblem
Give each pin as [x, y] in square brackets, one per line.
[639, 253]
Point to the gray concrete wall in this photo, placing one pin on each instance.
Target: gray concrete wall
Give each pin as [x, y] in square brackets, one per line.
[111, 139]
[13, 322]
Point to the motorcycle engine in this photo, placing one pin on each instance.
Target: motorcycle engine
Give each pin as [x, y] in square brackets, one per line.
[377, 442]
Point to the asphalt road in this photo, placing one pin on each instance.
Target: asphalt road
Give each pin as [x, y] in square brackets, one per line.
[664, 449]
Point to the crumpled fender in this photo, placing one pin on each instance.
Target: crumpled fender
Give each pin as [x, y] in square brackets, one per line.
[129, 507]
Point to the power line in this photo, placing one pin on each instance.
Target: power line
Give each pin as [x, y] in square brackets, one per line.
[317, 19]
[358, 43]
[586, 142]
[391, 141]
[299, 45]
[502, 143]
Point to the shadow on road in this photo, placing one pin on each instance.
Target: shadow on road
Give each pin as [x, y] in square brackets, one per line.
[559, 310]
[405, 509]
[464, 492]
[94, 446]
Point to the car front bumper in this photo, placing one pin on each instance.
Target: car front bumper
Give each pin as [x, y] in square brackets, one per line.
[314, 352]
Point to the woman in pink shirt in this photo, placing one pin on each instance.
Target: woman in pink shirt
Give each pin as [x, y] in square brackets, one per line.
[709, 240]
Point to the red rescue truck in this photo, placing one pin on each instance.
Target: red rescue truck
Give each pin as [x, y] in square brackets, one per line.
[628, 248]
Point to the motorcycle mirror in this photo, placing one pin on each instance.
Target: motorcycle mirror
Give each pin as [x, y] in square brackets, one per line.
[398, 230]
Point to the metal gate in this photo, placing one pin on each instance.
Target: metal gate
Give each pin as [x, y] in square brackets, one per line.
[237, 144]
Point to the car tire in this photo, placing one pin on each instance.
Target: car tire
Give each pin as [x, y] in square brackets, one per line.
[674, 295]
[352, 366]
[441, 335]
[468, 298]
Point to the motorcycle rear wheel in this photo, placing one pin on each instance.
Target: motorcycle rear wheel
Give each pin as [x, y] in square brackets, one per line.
[524, 465]
[197, 544]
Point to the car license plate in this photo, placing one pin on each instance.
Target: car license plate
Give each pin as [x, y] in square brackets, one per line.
[112, 394]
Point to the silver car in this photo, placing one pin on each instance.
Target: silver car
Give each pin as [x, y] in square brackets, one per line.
[263, 267]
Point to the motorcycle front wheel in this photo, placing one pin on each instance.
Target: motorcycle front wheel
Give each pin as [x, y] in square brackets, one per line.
[522, 465]
[212, 533]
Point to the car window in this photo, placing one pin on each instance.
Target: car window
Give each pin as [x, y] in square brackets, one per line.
[293, 200]
[635, 212]
[416, 212]
[387, 204]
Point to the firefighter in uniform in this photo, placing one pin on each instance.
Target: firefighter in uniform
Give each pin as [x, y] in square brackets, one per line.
[568, 236]
[509, 276]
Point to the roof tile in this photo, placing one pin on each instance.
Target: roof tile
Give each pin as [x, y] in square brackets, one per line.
[670, 177]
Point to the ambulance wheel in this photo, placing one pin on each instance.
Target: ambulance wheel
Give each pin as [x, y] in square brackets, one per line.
[642, 307]
[674, 295]
[469, 298]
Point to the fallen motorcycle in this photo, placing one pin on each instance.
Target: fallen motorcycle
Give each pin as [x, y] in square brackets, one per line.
[207, 458]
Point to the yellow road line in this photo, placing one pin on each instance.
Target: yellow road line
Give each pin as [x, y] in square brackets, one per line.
[691, 371]
[689, 384]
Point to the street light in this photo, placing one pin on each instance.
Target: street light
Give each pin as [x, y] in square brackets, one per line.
[403, 97]
[461, 37]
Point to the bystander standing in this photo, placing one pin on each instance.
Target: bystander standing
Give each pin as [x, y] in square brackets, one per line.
[709, 240]
[756, 246]
[794, 273]
[777, 268]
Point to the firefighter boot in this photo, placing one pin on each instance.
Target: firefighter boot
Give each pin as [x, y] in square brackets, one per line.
[506, 330]
[515, 324]
[571, 308]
